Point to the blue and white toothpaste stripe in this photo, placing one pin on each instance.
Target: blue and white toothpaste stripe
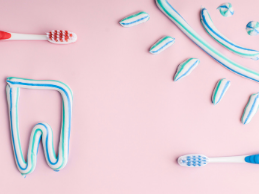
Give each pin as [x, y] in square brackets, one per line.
[185, 68]
[41, 131]
[252, 28]
[214, 33]
[226, 9]
[220, 90]
[250, 109]
[135, 19]
[162, 44]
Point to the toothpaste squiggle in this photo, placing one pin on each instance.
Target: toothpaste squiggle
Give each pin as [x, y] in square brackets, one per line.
[185, 68]
[213, 31]
[226, 9]
[250, 109]
[220, 90]
[135, 19]
[41, 130]
[184, 26]
[162, 44]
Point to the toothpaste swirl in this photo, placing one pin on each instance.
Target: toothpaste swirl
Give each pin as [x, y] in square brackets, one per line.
[214, 33]
[41, 131]
[250, 109]
[252, 28]
[185, 68]
[135, 19]
[220, 90]
[226, 9]
[184, 26]
[162, 44]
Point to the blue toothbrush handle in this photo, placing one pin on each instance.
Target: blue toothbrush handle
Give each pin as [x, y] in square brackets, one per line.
[254, 159]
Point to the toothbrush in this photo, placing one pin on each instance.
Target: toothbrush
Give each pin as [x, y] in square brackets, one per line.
[198, 160]
[54, 36]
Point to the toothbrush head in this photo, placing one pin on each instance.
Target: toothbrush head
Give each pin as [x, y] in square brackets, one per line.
[193, 160]
[61, 37]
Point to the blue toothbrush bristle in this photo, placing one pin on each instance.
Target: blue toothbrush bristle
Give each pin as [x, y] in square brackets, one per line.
[193, 160]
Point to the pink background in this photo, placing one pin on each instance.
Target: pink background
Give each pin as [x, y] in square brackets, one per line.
[130, 120]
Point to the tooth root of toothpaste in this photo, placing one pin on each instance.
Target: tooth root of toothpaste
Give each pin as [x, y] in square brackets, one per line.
[226, 9]
[220, 90]
[169, 11]
[135, 19]
[250, 109]
[41, 131]
[252, 28]
[185, 68]
[162, 44]
[214, 33]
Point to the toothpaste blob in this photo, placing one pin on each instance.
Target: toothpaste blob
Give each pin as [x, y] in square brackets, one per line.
[220, 90]
[226, 9]
[135, 19]
[162, 44]
[41, 131]
[252, 28]
[185, 68]
[213, 31]
[250, 109]
[166, 8]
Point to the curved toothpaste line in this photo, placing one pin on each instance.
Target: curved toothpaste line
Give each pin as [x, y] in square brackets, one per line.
[66, 125]
[182, 67]
[252, 108]
[169, 11]
[219, 37]
[160, 42]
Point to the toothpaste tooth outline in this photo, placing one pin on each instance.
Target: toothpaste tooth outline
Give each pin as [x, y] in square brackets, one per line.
[226, 9]
[250, 109]
[185, 68]
[135, 19]
[41, 131]
[169, 11]
[207, 23]
[220, 90]
[162, 44]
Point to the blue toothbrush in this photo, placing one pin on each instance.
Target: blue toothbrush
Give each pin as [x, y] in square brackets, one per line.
[198, 160]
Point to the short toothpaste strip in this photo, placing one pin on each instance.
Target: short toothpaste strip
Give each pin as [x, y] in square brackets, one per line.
[250, 109]
[226, 9]
[135, 19]
[214, 33]
[41, 131]
[185, 68]
[162, 44]
[184, 26]
[220, 90]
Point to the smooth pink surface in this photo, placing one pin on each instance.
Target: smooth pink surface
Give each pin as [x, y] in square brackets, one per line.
[130, 120]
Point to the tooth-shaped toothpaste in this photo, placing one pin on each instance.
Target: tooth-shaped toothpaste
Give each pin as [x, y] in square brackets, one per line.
[252, 28]
[220, 90]
[135, 19]
[162, 44]
[226, 9]
[185, 68]
[250, 109]
[41, 131]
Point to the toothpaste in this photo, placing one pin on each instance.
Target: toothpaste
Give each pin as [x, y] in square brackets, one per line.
[41, 131]
[162, 44]
[250, 109]
[135, 19]
[252, 28]
[226, 9]
[223, 60]
[185, 68]
[214, 33]
[220, 90]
